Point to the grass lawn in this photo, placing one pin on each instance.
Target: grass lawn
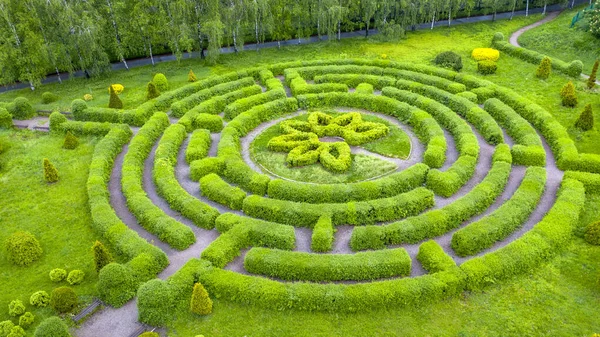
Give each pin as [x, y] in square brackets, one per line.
[56, 214]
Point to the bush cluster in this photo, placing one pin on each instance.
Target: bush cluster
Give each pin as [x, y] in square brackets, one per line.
[192, 77]
[449, 59]
[75, 277]
[114, 101]
[591, 81]
[16, 308]
[23, 248]
[592, 233]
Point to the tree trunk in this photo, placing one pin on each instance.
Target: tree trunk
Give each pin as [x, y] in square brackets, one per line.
[512, 13]
[151, 55]
[235, 49]
[545, 5]
[527, 9]
[339, 30]
[433, 21]
[117, 35]
[58, 75]
[494, 17]
[449, 15]
[367, 30]
[256, 32]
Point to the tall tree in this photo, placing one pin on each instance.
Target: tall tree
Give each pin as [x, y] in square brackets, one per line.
[368, 9]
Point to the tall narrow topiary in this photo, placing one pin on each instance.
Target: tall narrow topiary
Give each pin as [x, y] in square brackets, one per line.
[50, 172]
[591, 82]
[114, 102]
[568, 95]
[151, 91]
[200, 304]
[102, 256]
[543, 71]
[191, 76]
[585, 121]
[71, 142]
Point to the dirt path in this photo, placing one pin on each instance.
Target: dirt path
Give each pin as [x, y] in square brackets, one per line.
[515, 36]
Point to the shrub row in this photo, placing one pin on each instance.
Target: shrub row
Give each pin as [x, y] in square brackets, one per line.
[426, 128]
[169, 188]
[245, 104]
[269, 81]
[355, 213]
[83, 128]
[364, 88]
[446, 183]
[301, 266]
[549, 236]
[436, 222]
[239, 232]
[433, 258]
[322, 236]
[572, 69]
[528, 150]
[202, 167]
[198, 146]
[483, 233]
[150, 216]
[388, 186]
[353, 80]
[217, 190]
[591, 181]
[212, 123]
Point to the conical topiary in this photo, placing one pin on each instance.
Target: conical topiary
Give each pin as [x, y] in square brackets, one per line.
[569, 98]
[191, 76]
[200, 304]
[151, 91]
[585, 121]
[161, 83]
[50, 172]
[591, 82]
[543, 71]
[102, 256]
[114, 102]
[71, 142]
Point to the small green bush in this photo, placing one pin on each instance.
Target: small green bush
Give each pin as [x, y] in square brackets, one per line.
[26, 320]
[155, 303]
[192, 77]
[200, 303]
[63, 299]
[487, 67]
[58, 274]
[75, 277]
[102, 256]
[114, 102]
[592, 233]
[50, 172]
[151, 91]
[6, 327]
[20, 108]
[585, 121]
[115, 284]
[16, 331]
[449, 59]
[568, 95]
[49, 97]
[52, 327]
[16, 308]
[56, 120]
[544, 69]
[161, 83]
[39, 299]
[78, 107]
[23, 248]
[71, 142]
[5, 119]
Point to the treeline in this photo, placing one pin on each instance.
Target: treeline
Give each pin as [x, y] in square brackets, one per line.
[38, 37]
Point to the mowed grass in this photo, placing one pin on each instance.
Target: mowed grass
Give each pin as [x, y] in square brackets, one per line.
[57, 214]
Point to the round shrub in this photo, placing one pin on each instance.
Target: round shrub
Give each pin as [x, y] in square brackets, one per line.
[498, 36]
[20, 108]
[149, 334]
[58, 274]
[575, 68]
[23, 248]
[78, 106]
[115, 284]
[75, 277]
[5, 119]
[485, 54]
[49, 97]
[6, 327]
[487, 67]
[56, 119]
[52, 327]
[39, 299]
[592, 233]
[160, 80]
[26, 320]
[16, 331]
[16, 308]
[155, 303]
[449, 59]
[63, 299]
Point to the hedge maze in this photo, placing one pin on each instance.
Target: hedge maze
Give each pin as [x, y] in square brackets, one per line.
[486, 199]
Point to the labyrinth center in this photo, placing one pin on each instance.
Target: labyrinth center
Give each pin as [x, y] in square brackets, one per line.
[482, 185]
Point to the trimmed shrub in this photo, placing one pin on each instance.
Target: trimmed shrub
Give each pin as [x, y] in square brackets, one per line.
[23, 248]
[115, 284]
[364, 88]
[78, 108]
[114, 102]
[50, 172]
[20, 108]
[568, 95]
[200, 303]
[16, 308]
[433, 258]
[58, 275]
[16, 331]
[155, 302]
[215, 189]
[322, 236]
[591, 81]
[118, 88]
[198, 146]
[71, 142]
[213, 123]
[102, 256]
[592, 233]
[63, 299]
[88, 97]
[485, 54]
[52, 327]
[151, 91]
[585, 121]
[5, 119]
[192, 77]
[161, 83]
[75, 277]
[39, 299]
[544, 69]
[6, 327]
[487, 67]
[200, 168]
[449, 59]
[26, 320]
[446, 183]
[49, 97]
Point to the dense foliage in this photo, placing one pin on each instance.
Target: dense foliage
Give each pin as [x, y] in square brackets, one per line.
[52, 327]
[23, 248]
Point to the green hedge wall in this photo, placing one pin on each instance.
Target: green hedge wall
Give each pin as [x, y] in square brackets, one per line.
[433, 258]
[198, 146]
[217, 190]
[322, 235]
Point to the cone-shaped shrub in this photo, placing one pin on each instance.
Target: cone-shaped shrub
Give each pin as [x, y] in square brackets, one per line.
[201, 304]
[161, 83]
[585, 121]
[543, 71]
[71, 142]
[568, 95]
[591, 82]
[151, 91]
[114, 102]
[191, 76]
[50, 172]
[102, 256]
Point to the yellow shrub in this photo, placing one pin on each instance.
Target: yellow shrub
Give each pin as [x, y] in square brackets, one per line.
[88, 97]
[118, 88]
[481, 54]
